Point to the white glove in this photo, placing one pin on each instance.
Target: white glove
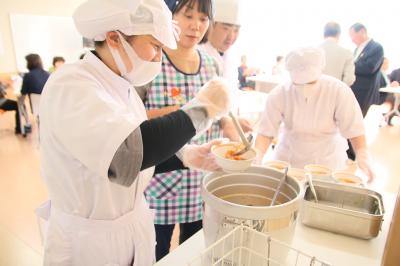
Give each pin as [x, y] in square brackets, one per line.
[213, 100]
[214, 96]
[199, 156]
[363, 162]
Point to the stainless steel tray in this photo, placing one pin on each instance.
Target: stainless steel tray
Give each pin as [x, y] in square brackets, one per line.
[343, 209]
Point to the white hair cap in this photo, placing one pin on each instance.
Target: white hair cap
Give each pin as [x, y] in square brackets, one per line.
[94, 18]
[228, 11]
[305, 64]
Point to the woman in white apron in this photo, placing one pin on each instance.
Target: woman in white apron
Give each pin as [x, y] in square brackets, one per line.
[318, 114]
[97, 147]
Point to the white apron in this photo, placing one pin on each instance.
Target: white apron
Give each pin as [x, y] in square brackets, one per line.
[127, 240]
[315, 125]
[95, 111]
[301, 149]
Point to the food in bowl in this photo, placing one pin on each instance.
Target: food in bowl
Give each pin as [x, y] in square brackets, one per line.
[298, 173]
[319, 171]
[231, 154]
[231, 164]
[278, 165]
[347, 178]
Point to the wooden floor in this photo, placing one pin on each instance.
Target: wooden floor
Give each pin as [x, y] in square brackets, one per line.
[22, 189]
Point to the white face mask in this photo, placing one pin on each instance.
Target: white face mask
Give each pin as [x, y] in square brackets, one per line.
[142, 71]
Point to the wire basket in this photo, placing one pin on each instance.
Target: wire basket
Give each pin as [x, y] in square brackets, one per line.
[244, 246]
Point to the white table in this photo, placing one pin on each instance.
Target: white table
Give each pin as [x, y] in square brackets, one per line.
[266, 83]
[395, 110]
[332, 248]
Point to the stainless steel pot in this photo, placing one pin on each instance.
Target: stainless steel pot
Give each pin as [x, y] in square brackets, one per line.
[344, 209]
[244, 198]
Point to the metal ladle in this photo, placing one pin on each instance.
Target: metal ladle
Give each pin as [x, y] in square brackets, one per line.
[312, 188]
[279, 187]
[246, 141]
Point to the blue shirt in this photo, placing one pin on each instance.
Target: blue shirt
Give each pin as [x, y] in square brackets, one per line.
[34, 81]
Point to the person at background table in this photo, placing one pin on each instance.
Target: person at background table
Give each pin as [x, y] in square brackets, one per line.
[384, 81]
[33, 82]
[394, 77]
[174, 195]
[58, 61]
[339, 61]
[9, 105]
[245, 71]
[387, 80]
[317, 112]
[278, 68]
[219, 41]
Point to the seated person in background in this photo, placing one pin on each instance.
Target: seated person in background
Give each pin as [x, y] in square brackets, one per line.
[388, 80]
[394, 77]
[33, 81]
[58, 61]
[385, 82]
[9, 105]
[243, 72]
[278, 68]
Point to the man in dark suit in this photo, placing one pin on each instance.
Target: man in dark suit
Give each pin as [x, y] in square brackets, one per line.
[368, 58]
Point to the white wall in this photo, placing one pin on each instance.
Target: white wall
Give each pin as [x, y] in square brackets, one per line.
[47, 36]
[275, 27]
[272, 27]
[36, 7]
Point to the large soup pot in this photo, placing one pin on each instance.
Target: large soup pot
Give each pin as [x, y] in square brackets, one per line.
[232, 199]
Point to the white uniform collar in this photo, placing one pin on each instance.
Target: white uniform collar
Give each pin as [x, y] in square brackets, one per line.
[104, 70]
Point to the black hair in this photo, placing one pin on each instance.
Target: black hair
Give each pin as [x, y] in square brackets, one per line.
[58, 59]
[279, 58]
[33, 61]
[203, 6]
[331, 29]
[358, 26]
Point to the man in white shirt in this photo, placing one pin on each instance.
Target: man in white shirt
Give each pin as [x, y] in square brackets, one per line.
[339, 61]
[222, 34]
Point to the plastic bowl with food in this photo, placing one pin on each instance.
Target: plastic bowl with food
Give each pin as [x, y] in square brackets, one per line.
[277, 165]
[225, 158]
[298, 173]
[319, 171]
[347, 178]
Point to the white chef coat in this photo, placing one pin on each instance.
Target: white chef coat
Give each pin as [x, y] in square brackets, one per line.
[87, 111]
[228, 66]
[314, 129]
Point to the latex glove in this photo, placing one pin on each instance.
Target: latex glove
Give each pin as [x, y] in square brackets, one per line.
[199, 156]
[211, 101]
[363, 162]
[215, 97]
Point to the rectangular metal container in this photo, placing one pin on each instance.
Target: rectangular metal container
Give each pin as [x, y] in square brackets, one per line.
[343, 209]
